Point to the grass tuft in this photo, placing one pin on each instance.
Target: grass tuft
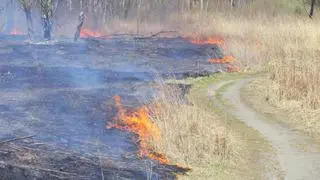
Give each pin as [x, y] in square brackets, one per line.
[191, 134]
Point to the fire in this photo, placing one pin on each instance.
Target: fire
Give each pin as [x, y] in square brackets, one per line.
[139, 123]
[15, 31]
[212, 40]
[224, 60]
[85, 33]
[216, 40]
[231, 68]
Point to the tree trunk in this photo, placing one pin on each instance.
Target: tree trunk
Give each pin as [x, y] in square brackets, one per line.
[313, 2]
[190, 5]
[232, 3]
[95, 14]
[201, 6]
[80, 23]
[10, 17]
[127, 6]
[29, 22]
[47, 27]
[47, 11]
[138, 16]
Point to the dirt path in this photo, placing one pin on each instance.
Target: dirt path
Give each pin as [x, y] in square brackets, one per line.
[298, 158]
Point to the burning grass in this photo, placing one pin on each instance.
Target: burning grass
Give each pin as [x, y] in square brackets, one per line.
[216, 40]
[224, 60]
[86, 32]
[211, 40]
[138, 122]
[287, 46]
[171, 130]
[15, 31]
[190, 134]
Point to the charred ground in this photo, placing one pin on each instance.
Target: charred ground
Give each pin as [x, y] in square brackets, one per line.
[62, 91]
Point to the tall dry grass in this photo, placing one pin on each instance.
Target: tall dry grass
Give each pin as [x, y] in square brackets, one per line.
[288, 45]
[284, 44]
[191, 135]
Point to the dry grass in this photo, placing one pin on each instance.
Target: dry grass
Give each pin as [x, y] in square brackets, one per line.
[290, 45]
[264, 100]
[197, 134]
[286, 45]
[192, 136]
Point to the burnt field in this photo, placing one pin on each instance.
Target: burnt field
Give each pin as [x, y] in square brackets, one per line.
[61, 93]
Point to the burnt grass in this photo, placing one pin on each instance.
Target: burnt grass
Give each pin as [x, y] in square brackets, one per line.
[62, 91]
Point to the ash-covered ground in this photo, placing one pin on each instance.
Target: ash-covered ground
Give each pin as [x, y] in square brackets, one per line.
[62, 92]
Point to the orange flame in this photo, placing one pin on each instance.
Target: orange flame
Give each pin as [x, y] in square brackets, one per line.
[212, 40]
[221, 43]
[224, 60]
[139, 123]
[85, 33]
[231, 68]
[15, 31]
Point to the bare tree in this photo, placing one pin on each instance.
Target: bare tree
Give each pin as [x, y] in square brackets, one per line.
[3, 8]
[313, 2]
[79, 26]
[48, 7]
[99, 12]
[127, 4]
[27, 6]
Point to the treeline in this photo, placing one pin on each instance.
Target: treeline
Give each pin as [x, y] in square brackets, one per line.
[104, 10]
[99, 12]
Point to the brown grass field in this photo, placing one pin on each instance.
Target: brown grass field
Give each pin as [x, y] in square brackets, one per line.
[285, 45]
[272, 36]
[191, 135]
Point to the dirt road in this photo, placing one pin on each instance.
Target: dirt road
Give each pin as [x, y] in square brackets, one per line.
[297, 156]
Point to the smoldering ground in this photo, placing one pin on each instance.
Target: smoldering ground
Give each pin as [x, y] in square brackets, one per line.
[61, 91]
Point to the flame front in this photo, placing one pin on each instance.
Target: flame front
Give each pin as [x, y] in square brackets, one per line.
[231, 68]
[139, 123]
[15, 31]
[216, 40]
[224, 60]
[85, 33]
[212, 40]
